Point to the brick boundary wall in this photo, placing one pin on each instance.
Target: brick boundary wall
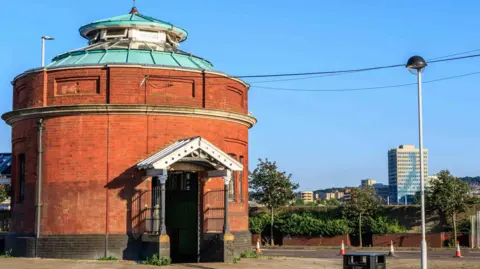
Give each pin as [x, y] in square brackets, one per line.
[316, 241]
[437, 240]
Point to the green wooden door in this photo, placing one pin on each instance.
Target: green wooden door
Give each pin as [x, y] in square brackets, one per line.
[181, 216]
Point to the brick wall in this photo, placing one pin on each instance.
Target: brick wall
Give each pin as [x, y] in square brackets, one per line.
[434, 240]
[123, 85]
[89, 179]
[316, 241]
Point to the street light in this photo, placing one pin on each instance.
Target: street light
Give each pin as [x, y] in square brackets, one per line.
[416, 64]
[43, 47]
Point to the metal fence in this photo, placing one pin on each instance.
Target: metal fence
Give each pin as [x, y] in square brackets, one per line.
[146, 211]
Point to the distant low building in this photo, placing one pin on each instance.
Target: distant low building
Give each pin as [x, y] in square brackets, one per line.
[347, 196]
[367, 182]
[336, 195]
[382, 192]
[306, 196]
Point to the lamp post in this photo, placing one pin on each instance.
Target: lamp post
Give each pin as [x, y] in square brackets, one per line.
[416, 64]
[43, 48]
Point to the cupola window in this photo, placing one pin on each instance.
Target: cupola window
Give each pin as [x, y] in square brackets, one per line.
[115, 33]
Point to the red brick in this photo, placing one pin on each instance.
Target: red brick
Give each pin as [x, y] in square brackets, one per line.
[89, 179]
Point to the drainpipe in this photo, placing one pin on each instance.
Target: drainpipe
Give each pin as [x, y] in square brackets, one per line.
[39, 183]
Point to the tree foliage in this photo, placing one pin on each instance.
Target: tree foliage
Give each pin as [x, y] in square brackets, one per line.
[309, 225]
[257, 224]
[313, 223]
[382, 225]
[362, 206]
[449, 195]
[4, 192]
[331, 202]
[271, 187]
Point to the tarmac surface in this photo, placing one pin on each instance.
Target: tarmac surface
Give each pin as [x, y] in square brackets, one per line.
[262, 263]
[446, 254]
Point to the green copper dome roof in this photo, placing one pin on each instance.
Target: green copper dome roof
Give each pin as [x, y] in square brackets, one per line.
[133, 19]
[125, 56]
[159, 47]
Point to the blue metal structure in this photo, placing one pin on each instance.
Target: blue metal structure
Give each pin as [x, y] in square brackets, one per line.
[5, 163]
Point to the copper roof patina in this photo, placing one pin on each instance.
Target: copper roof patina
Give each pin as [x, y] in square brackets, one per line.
[134, 18]
[131, 51]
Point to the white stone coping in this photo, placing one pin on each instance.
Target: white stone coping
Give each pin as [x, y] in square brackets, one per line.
[88, 109]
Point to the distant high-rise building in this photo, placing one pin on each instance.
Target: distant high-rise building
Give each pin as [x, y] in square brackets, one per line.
[368, 182]
[404, 173]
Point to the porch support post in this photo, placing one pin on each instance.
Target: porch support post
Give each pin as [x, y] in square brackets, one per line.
[163, 179]
[228, 237]
[226, 181]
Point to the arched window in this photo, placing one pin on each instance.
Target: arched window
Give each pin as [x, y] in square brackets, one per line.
[240, 181]
[231, 185]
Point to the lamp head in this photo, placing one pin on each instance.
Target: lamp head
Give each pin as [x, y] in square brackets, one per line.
[416, 63]
[47, 38]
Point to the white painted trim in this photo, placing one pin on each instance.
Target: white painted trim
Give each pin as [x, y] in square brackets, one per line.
[72, 110]
[178, 150]
[156, 172]
[176, 155]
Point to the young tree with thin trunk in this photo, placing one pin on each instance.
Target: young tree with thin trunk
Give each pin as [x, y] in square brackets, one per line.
[272, 188]
[450, 196]
[363, 204]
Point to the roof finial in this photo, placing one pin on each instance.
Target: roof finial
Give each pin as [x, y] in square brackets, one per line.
[134, 8]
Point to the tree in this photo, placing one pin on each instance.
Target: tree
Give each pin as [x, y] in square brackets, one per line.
[362, 205]
[272, 188]
[450, 196]
[4, 192]
[417, 198]
[298, 202]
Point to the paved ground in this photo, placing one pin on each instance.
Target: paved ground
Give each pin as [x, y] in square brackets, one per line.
[264, 263]
[446, 254]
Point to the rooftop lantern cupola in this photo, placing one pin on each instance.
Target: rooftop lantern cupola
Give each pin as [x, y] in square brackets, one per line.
[134, 39]
[133, 31]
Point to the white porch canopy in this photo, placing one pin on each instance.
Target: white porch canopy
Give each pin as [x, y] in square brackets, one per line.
[194, 150]
[190, 150]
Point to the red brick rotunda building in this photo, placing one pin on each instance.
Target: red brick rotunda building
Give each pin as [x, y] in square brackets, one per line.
[129, 147]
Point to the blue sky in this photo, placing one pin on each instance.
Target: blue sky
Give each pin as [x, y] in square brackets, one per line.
[324, 139]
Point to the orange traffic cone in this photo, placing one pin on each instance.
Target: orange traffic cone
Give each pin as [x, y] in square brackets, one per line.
[257, 249]
[392, 251]
[458, 254]
[342, 249]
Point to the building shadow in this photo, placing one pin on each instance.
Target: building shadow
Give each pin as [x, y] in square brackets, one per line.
[193, 266]
[126, 185]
